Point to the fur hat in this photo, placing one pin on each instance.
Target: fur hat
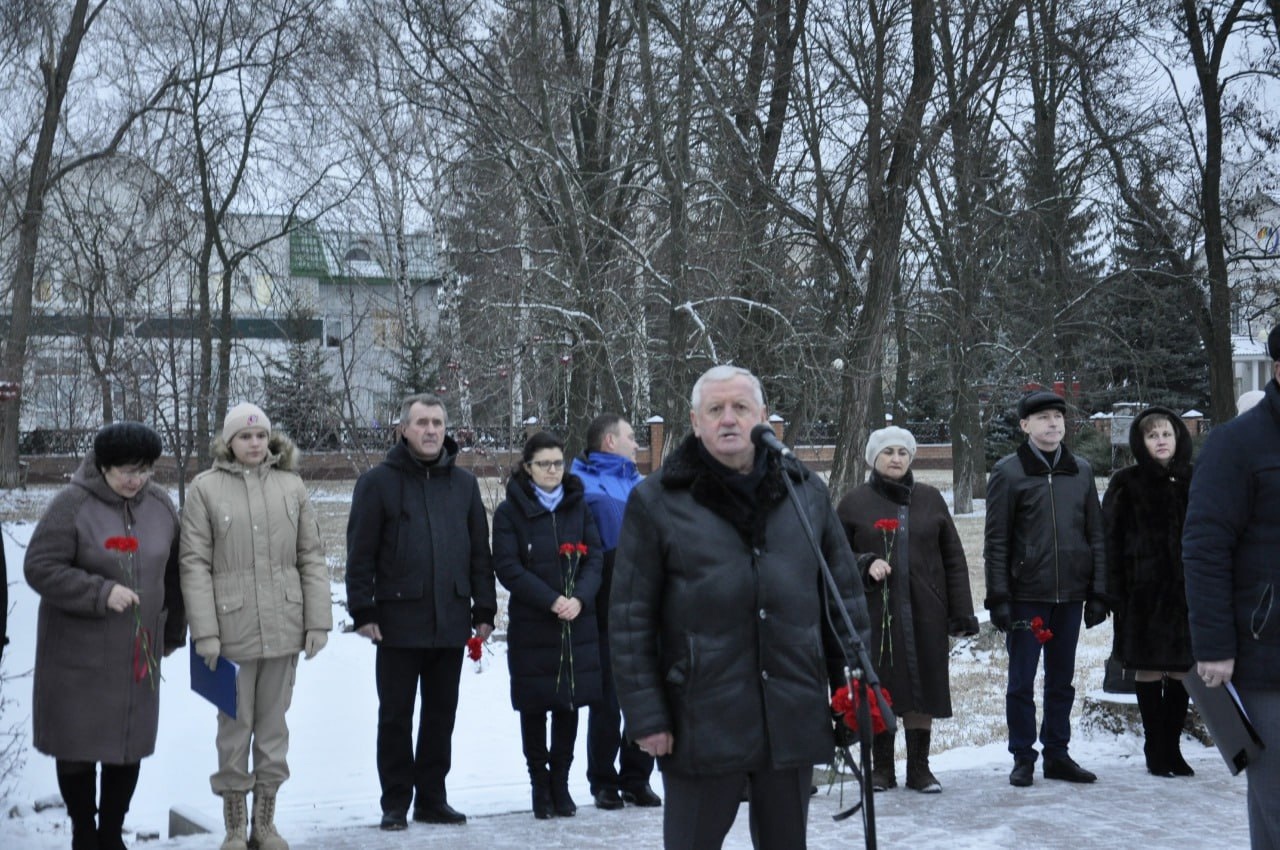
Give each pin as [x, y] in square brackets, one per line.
[244, 415]
[123, 443]
[885, 437]
[1273, 343]
[1038, 400]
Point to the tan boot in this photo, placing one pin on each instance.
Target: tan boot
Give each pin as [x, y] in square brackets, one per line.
[234, 814]
[264, 835]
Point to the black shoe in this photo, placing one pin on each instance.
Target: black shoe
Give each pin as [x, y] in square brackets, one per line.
[393, 821]
[1066, 769]
[642, 796]
[607, 799]
[1023, 774]
[438, 813]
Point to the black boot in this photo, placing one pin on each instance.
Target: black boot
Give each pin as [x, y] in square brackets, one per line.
[533, 737]
[919, 776]
[78, 783]
[1175, 717]
[564, 734]
[883, 775]
[1154, 746]
[118, 784]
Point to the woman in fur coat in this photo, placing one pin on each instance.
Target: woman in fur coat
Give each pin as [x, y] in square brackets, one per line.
[1144, 509]
[257, 591]
[922, 577]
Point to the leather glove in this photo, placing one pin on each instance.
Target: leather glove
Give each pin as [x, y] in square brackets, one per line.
[315, 641]
[209, 649]
[845, 737]
[1095, 611]
[1002, 616]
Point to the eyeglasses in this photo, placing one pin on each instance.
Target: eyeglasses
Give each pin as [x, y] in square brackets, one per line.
[548, 465]
[132, 474]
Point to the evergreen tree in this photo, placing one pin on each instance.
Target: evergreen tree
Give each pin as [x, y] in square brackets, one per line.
[300, 398]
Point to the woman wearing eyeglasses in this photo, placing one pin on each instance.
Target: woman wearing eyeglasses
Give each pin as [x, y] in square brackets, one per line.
[546, 552]
[257, 591]
[104, 560]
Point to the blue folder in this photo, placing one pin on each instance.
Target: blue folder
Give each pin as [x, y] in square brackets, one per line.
[219, 686]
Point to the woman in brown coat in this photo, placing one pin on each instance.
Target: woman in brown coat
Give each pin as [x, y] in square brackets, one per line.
[257, 591]
[104, 560]
[923, 579]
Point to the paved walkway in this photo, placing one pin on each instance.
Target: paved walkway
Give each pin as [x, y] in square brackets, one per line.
[978, 809]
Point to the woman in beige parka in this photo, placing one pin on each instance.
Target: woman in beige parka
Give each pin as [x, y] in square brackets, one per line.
[257, 591]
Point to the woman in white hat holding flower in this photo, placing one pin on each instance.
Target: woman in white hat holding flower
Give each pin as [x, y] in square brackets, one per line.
[257, 592]
[917, 594]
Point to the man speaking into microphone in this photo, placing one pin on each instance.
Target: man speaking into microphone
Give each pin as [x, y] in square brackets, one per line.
[723, 655]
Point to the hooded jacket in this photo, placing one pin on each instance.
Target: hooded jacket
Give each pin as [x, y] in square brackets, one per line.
[1045, 540]
[719, 619]
[253, 567]
[1144, 509]
[418, 559]
[1231, 545]
[928, 594]
[553, 665]
[89, 703]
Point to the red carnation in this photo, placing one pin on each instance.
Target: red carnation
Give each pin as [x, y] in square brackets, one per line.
[122, 544]
[582, 549]
[475, 648]
[568, 549]
[886, 525]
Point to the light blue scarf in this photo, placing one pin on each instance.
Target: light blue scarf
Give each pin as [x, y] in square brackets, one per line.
[549, 500]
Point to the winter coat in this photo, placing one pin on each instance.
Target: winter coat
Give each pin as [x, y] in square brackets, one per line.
[607, 480]
[89, 703]
[929, 597]
[418, 560]
[1045, 540]
[554, 664]
[1144, 508]
[719, 615]
[1231, 545]
[253, 568]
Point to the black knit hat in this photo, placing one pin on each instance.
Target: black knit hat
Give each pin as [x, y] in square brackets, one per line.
[1273, 343]
[1038, 400]
[125, 443]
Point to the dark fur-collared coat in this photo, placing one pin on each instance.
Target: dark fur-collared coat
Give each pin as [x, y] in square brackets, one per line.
[1144, 509]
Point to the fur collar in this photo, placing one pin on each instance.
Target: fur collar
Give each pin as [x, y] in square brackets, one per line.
[281, 453]
[520, 493]
[1033, 465]
[685, 469]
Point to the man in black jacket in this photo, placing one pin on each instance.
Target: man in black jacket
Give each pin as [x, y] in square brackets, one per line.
[721, 627]
[1045, 559]
[419, 579]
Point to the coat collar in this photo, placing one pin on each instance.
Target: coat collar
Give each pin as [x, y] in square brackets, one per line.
[1033, 465]
[520, 493]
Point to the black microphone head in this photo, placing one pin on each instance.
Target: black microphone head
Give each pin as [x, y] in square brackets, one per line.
[759, 432]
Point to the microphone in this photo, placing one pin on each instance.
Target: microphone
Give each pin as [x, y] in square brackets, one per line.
[762, 435]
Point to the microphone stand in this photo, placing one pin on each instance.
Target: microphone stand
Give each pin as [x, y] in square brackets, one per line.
[854, 669]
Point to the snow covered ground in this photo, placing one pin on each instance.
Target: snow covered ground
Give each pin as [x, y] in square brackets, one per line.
[331, 801]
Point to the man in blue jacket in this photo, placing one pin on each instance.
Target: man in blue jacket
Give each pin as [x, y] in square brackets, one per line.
[1231, 560]
[608, 472]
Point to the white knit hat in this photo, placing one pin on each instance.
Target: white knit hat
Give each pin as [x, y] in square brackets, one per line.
[244, 415]
[885, 437]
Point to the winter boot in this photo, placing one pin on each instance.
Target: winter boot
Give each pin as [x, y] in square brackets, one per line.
[564, 734]
[883, 776]
[234, 814]
[118, 784]
[540, 779]
[1154, 745]
[77, 781]
[533, 740]
[919, 777]
[1175, 717]
[263, 836]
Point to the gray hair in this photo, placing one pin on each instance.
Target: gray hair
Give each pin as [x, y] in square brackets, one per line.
[426, 400]
[724, 373]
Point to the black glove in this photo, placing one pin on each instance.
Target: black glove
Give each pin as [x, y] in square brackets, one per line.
[1002, 616]
[845, 737]
[1095, 611]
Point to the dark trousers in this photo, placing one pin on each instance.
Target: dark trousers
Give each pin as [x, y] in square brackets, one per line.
[605, 741]
[1059, 654]
[1263, 706]
[699, 811]
[403, 675]
[533, 737]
